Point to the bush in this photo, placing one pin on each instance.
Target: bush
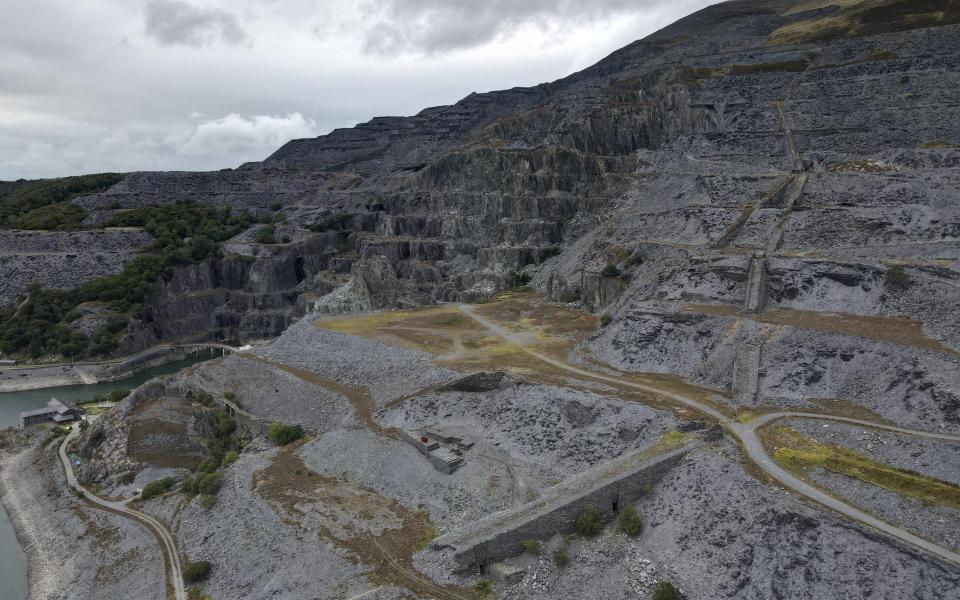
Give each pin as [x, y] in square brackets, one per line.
[483, 587]
[522, 278]
[531, 546]
[276, 206]
[208, 484]
[207, 500]
[229, 458]
[156, 488]
[590, 522]
[666, 591]
[896, 278]
[285, 239]
[265, 236]
[282, 435]
[605, 320]
[560, 558]
[196, 570]
[629, 521]
[610, 270]
[203, 398]
[231, 396]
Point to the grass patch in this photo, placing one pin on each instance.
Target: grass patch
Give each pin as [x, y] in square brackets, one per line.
[799, 453]
[857, 19]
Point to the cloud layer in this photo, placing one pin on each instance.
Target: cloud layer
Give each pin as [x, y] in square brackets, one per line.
[173, 22]
[207, 84]
[436, 26]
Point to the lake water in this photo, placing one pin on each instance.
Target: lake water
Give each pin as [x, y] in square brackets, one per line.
[13, 562]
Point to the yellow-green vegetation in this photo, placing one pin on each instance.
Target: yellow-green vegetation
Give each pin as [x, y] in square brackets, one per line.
[799, 453]
[590, 522]
[483, 587]
[671, 440]
[430, 533]
[666, 591]
[531, 546]
[560, 558]
[157, 488]
[221, 451]
[858, 18]
[629, 521]
[282, 435]
[938, 145]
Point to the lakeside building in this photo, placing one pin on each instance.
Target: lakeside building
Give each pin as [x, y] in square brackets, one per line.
[56, 411]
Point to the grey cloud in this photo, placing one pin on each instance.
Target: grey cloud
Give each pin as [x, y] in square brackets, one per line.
[438, 26]
[173, 22]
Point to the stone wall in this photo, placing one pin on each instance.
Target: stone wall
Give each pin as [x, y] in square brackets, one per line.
[608, 487]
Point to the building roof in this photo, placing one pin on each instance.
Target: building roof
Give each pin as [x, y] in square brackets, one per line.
[54, 406]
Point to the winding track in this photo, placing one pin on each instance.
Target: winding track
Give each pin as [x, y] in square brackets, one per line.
[746, 434]
[167, 543]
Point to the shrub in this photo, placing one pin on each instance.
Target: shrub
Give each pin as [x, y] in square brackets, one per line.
[483, 587]
[196, 570]
[225, 424]
[282, 435]
[629, 521]
[531, 546]
[189, 486]
[276, 206]
[285, 239]
[231, 396]
[522, 278]
[207, 500]
[666, 591]
[896, 278]
[208, 484]
[156, 488]
[605, 320]
[117, 395]
[229, 458]
[610, 270]
[204, 398]
[590, 522]
[265, 236]
[560, 558]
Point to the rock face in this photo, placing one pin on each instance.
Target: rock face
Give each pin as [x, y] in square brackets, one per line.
[62, 260]
[674, 157]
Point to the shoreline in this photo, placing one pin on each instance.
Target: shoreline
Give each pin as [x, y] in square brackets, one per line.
[24, 513]
[34, 377]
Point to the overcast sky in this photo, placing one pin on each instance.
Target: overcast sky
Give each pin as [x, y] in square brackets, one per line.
[121, 85]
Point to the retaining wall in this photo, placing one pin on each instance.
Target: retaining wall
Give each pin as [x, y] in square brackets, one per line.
[608, 487]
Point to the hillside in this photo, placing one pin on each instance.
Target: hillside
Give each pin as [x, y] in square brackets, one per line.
[756, 209]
